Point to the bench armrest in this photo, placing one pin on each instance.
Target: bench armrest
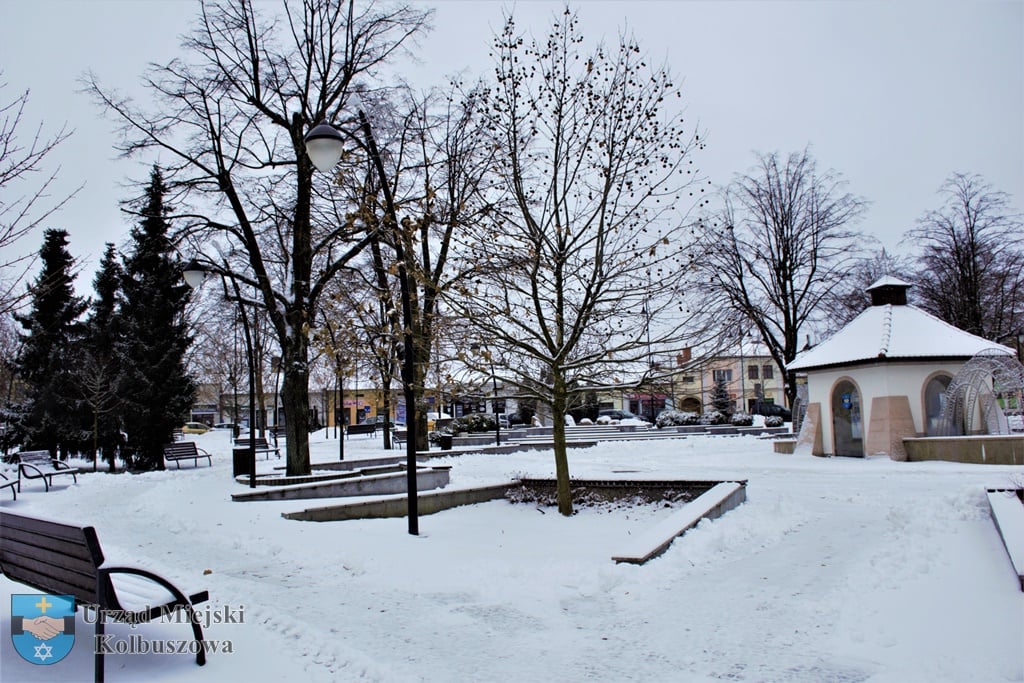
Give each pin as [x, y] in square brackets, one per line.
[154, 611]
[180, 598]
[26, 467]
[58, 465]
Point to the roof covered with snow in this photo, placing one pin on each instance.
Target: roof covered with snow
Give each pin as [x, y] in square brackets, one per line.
[891, 332]
[888, 281]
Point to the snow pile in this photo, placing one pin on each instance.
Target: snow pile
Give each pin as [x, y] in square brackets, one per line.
[834, 569]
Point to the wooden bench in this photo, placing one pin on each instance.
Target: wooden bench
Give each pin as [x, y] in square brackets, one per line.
[6, 483]
[262, 446]
[398, 436]
[363, 428]
[39, 465]
[185, 450]
[65, 559]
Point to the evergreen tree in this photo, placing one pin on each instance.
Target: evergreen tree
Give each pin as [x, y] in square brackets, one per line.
[49, 416]
[98, 373]
[720, 400]
[155, 388]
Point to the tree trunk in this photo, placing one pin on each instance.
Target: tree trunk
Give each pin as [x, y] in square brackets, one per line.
[295, 401]
[558, 408]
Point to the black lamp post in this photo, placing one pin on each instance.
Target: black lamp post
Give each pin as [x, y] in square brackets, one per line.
[494, 380]
[324, 146]
[195, 273]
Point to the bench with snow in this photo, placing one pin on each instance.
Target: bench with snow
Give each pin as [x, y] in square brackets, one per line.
[65, 559]
[39, 465]
[263, 447]
[713, 503]
[362, 428]
[1007, 508]
[398, 436]
[185, 450]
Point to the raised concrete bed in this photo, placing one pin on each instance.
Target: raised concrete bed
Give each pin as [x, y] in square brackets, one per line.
[397, 506]
[372, 485]
[476, 440]
[1008, 515]
[979, 450]
[691, 429]
[712, 504]
[785, 446]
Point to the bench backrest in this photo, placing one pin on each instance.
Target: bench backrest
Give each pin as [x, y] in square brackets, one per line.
[35, 457]
[261, 442]
[182, 448]
[60, 559]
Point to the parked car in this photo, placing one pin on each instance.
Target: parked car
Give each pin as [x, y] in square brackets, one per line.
[379, 420]
[768, 409]
[195, 428]
[224, 425]
[503, 421]
[437, 421]
[606, 417]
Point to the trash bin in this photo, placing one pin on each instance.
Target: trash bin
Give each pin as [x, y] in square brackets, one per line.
[240, 461]
[446, 442]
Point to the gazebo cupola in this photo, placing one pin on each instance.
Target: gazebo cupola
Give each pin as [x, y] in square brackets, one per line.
[889, 290]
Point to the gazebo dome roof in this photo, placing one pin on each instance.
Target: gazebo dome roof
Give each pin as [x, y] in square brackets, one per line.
[893, 332]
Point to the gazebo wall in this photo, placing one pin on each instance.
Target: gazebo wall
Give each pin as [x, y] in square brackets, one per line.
[892, 381]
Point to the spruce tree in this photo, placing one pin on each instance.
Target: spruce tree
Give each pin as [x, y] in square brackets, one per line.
[98, 373]
[720, 400]
[50, 416]
[156, 389]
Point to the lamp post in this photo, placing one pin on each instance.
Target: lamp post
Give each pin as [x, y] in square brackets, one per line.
[324, 146]
[743, 377]
[275, 363]
[195, 273]
[494, 384]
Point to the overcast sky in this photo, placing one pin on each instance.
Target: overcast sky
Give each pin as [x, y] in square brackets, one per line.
[895, 96]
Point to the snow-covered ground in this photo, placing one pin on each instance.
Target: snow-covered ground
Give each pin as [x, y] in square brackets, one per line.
[833, 570]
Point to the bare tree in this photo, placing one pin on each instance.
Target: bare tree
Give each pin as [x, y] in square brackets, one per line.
[233, 122]
[24, 200]
[581, 272]
[780, 246]
[853, 297]
[435, 164]
[970, 259]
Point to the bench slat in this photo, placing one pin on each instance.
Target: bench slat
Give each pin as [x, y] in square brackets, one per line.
[23, 542]
[49, 529]
[50, 556]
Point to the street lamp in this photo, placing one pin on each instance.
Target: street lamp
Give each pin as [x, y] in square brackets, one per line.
[195, 273]
[324, 146]
[494, 380]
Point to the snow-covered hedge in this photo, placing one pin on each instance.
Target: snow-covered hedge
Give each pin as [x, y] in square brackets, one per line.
[713, 417]
[673, 418]
[741, 420]
[773, 421]
[473, 423]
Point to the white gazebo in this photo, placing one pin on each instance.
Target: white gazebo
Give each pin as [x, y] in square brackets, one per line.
[882, 377]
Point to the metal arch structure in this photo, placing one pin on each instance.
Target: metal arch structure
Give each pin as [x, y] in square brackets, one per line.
[974, 392]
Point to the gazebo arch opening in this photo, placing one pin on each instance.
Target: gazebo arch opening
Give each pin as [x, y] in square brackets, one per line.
[847, 421]
[935, 403]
